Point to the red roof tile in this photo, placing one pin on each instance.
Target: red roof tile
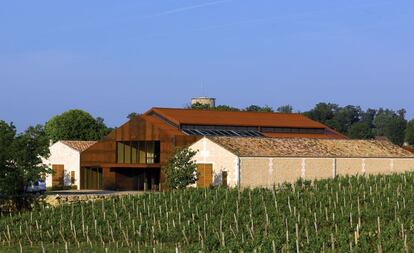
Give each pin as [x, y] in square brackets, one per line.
[79, 145]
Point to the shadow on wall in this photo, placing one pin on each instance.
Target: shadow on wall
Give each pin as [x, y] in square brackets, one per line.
[217, 179]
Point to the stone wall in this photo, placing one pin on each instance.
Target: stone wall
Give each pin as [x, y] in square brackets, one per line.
[266, 172]
[209, 152]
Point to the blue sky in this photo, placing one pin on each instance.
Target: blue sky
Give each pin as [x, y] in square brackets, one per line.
[114, 57]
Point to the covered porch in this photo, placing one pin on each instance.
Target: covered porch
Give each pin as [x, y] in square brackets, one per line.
[121, 177]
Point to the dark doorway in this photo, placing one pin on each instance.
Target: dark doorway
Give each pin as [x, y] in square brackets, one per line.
[133, 179]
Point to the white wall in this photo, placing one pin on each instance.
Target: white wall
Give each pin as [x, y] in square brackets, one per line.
[222, 160]
[69, 158]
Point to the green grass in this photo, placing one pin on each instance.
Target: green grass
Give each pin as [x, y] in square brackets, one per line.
[365, 214]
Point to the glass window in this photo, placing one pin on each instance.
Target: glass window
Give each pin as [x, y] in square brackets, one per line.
[142, 152]
[127, 152]
[138, 152]
[150, 152]
[120, 155]
[157, 152]
[134, 152]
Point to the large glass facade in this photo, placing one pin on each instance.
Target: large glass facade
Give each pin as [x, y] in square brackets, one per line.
[138, 152]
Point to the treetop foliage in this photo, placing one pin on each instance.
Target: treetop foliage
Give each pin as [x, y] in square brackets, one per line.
[409, 135]
[251, 108]
[75, 125]
[285, 109]
[132, 115]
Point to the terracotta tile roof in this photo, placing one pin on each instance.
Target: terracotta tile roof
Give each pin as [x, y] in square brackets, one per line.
[302, 135]
[238, 118]
[274, 147]
[79, 145]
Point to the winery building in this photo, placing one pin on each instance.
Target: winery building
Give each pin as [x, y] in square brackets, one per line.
[64, 160]
[264, 162]
[134, 155]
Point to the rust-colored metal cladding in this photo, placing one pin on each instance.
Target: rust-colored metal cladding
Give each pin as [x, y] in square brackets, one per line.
[103, 154]
[134, 155]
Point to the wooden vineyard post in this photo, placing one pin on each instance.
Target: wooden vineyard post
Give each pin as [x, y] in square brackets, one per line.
[297, 238]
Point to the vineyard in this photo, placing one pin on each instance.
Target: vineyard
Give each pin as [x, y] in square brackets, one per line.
[350, 214]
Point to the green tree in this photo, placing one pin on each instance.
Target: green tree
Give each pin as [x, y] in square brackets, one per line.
[7, 136]
[345, 117]
[132, 115]
[360, 130]
[75, 125]
[285, 109]
[322, 112]
[181, 170]
[256, 108]
[225, 108]
[21, 161]
[200, 106]
[368, 117]
[391, 124]
[409, 133]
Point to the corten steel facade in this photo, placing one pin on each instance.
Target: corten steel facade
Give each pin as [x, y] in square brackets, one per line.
[133, 156]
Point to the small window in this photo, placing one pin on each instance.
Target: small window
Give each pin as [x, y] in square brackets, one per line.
[224, 178]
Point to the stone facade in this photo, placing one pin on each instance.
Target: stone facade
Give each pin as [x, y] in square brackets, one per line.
[209, 152]
[266, 172]
[269, 171]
